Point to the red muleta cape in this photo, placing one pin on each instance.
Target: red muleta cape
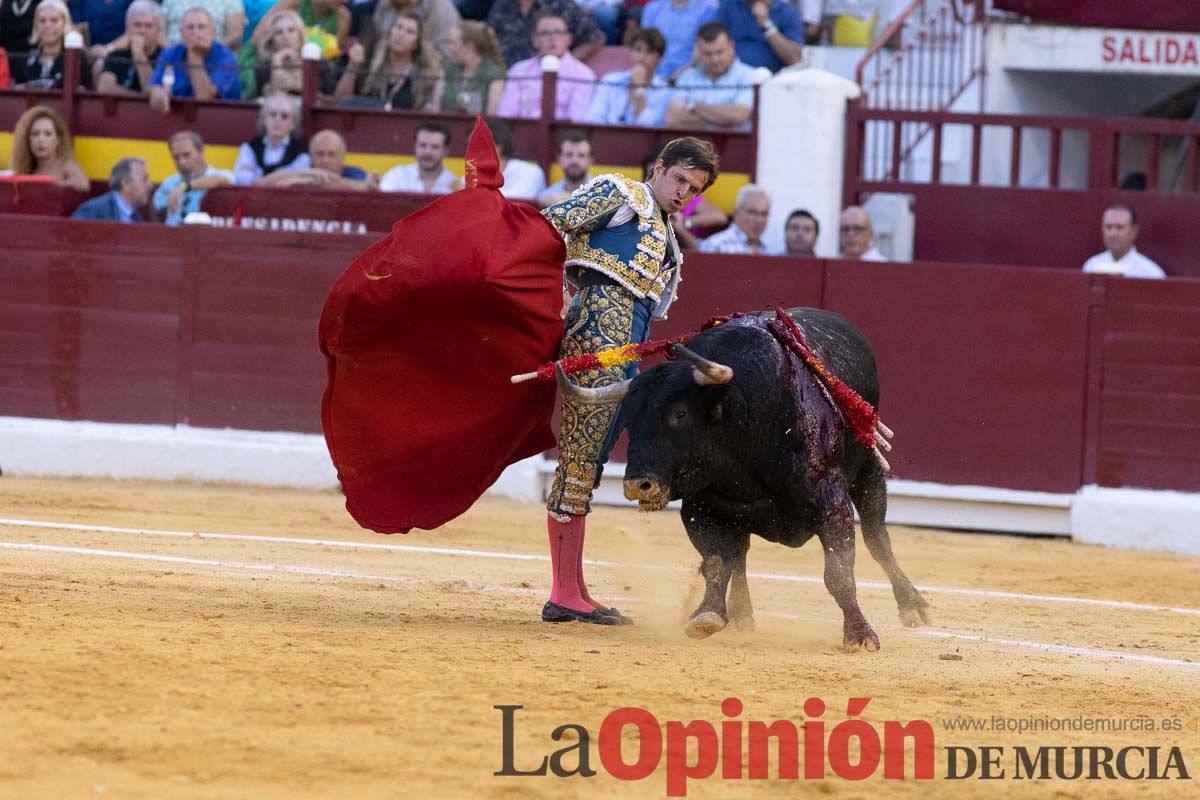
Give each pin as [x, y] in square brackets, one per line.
[420, 335]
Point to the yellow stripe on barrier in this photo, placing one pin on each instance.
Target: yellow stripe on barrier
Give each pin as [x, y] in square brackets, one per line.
[97, 154]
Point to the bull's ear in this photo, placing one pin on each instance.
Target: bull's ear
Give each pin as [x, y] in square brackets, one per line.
[725, 404]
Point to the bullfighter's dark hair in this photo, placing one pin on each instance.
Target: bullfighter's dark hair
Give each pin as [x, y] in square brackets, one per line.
[691, 153]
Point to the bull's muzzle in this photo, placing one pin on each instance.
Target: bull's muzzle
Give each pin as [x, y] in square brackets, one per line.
[650, 494]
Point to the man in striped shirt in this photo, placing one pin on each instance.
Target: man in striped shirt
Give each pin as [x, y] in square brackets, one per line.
[744, 234]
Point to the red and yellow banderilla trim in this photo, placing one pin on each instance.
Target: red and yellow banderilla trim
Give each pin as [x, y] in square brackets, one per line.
[862, 418]
[612, 357]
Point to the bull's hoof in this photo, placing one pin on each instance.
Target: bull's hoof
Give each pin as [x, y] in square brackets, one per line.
[705, 624]
[744, 624]
[916, 616]
[860, 636]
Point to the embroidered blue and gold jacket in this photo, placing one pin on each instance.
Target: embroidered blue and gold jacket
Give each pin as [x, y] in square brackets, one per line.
[613, 226]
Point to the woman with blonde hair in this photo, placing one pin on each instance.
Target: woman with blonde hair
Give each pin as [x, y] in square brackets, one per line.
[42, 146]
[405, 71]
[474, 71]
[44, 65]
[271, 62]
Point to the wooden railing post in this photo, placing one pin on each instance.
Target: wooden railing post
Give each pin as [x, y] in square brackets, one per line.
[310, 77]
[545, 135]
[72, 64]
[852, 160]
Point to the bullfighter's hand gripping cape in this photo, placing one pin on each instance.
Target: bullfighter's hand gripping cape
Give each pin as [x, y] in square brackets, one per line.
[420, 335]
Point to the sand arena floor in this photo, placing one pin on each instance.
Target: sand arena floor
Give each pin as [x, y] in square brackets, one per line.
[146, 665]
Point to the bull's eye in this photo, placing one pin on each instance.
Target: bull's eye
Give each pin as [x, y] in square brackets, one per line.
[678, 418]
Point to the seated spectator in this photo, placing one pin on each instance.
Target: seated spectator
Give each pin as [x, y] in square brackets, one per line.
[41, 145]
[405, 71]
[697, 215]
[474, 70]
[523, 180]
[719, 91]
[515, 21]
[129, 189]
[127, 70]
[439, 18]
[330, 16]
[855, 234]
[522, 95]
[181, 194]
[428, 173]
[228, 19]
[43, 65]
[1119, 229]
[278, 145]
[800, 234]
[679, 21]
[275, 65]
[198, 67]
[636, 96]
[744, 235]
[105, 20]
[765, 33]
[327, 152]
[575, 159]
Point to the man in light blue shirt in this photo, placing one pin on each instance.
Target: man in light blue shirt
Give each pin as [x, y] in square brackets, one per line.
[718, 93]
[678, 21]
[182, 193]
[635, 96]
[765, 33]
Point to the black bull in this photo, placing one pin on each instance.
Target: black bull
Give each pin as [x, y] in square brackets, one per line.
[743, 433]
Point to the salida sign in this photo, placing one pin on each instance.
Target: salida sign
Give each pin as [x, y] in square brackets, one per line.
[1150, 49]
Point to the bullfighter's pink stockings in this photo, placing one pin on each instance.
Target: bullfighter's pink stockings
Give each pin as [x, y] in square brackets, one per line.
[566, 560]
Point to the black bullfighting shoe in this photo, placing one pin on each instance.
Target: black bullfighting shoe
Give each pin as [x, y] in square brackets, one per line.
[553, 612]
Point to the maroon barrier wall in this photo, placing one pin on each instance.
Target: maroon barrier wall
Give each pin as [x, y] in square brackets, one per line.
[1004, 376]
[1150, 15]
[308, 209]
[1063, 227]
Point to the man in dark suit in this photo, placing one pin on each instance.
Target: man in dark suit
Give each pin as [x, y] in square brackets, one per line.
[130, 184]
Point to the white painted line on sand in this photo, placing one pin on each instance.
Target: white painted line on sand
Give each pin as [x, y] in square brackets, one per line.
[323, 572]
[1062, 648]
[450, 551]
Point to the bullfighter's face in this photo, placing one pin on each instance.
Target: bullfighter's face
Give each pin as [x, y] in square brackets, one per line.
[676, 186]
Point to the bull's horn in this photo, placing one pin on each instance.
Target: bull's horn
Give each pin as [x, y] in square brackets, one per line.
[613, 393]
[706, 372]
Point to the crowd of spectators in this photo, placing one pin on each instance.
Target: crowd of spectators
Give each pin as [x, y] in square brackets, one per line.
[691, 62]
